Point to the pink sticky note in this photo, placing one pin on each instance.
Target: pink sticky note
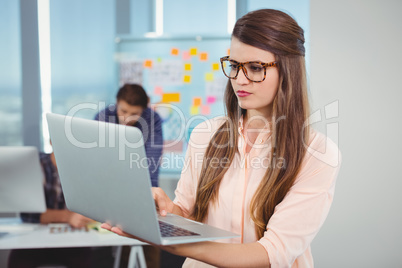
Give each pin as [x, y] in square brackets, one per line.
[186, 55]
[211, 99]
[205, 110]
[158, 91]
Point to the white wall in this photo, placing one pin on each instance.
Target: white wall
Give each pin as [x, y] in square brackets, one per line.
[356, 57]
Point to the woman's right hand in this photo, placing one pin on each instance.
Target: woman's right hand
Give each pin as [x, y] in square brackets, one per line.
[162, 201]
[77, 220]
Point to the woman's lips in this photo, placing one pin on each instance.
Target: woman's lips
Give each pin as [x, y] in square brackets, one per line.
[242, 93]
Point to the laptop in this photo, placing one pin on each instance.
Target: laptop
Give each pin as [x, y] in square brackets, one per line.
[21, 180]
[104, 175]
[21, 187]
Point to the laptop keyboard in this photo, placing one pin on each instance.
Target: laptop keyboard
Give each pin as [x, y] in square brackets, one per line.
[169, 230]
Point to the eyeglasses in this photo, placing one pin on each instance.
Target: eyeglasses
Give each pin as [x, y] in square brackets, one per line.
[255, 71]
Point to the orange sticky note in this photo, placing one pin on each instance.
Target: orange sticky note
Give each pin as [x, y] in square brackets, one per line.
[187, 79]
[174, 51]
[193, 51]
[187, 66]
[196, 101]
[194, 110]
[228, 52]
[203, 56]
[215, 66]
[209, 77]
[205, 110]
[148, 64]
[170, 97]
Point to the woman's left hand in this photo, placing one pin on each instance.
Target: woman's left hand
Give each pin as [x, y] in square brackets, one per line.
[120, 232]
[174, 249]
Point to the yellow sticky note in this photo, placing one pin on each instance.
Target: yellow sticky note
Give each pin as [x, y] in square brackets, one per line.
[196, 101]
[148, 64]
[193, 51]
[187, 79]
[194, 110]
[209, 77]
[215, 66]
[203, 56]
[170, 97]
[174, 51]
[187, 66]
[159, 59]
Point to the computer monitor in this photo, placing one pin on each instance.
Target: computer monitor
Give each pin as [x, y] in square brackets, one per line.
[21, 180]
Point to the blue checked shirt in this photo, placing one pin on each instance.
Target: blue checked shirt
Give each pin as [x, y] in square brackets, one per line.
[53, 192]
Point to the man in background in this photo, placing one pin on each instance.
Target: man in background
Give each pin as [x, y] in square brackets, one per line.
[56, 212]
[131, 109]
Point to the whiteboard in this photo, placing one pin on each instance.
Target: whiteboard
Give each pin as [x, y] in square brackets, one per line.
[182, 76]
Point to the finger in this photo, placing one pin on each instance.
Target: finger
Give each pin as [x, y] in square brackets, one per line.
[117, 230]
[161, 204]
[106, 226]
[120, 232]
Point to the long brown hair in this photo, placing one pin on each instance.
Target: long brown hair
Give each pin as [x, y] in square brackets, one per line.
[278, 33]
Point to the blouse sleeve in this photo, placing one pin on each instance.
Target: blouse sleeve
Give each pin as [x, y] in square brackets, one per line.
[188, 183]
[300, 215]
[185, 192]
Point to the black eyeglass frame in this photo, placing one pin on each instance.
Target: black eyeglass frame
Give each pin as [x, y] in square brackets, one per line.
[241, 66]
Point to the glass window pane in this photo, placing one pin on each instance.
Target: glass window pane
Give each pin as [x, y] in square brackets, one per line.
[82, 47]
[10, 74]
[183, 17]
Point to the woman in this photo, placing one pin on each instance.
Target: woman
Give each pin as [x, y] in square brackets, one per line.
[260, 174]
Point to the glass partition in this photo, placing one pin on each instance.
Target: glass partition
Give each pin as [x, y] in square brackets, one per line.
[10, 75]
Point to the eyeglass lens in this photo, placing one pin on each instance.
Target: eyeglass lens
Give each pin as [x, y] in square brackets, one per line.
[253, 71]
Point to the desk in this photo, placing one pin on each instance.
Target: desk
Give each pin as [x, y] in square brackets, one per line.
[40, 236]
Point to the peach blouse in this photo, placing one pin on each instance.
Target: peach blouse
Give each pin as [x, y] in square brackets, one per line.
[296, 220]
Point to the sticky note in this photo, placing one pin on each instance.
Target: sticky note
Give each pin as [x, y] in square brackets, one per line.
[158, 91]
[173, 146]
[215, 66]
[196, 101]
[187, 66]
[148, 64]
[203, 56]
[170, 97]
[194, 110]
[205, 110]
[228, 52]
[187, 79]
[159, 59]
[211, 99]
[186, 55]
[209, 77]
[193, 51]
[174, 51]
